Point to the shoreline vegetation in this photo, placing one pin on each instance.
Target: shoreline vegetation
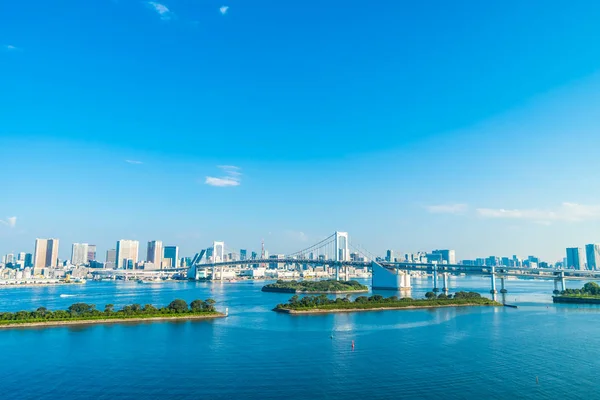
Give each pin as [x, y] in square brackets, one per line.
[588, 294]
[84, 314]
[322, 304]
[329, 286]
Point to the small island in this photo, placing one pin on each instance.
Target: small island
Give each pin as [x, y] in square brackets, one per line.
[588, 294]
[322, 304]
[329, 286]
[83, 314]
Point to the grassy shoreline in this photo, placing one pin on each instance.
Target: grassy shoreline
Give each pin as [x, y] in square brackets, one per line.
[349, 310]
[323, 304]
[105, 320]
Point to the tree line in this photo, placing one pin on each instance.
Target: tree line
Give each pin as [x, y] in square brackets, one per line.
[378, 301]
[89, 311]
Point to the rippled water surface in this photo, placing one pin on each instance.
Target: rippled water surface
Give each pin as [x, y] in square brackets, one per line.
[450, 353]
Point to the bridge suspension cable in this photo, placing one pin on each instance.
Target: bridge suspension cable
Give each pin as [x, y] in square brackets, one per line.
[318, 246]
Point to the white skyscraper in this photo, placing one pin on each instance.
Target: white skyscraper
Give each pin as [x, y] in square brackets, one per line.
[592, 253]
[127, 253]
[79, 253]
[155, 253]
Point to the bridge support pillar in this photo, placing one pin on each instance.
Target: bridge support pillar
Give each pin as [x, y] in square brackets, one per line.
[435, 288]
[563, 283]
[502, 289]
[445, 282]
[347, 273]
[337, 272]
[493, 278]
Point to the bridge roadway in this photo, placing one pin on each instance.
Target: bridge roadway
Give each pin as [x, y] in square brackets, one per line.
[453, 269]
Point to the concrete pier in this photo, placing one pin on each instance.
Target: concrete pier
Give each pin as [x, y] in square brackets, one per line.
[493, 277]
[445, 289]
[337, 272]
[502, 288]
[563, 283]
[435, 288]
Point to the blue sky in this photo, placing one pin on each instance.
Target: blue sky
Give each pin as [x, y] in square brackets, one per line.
[412, 125]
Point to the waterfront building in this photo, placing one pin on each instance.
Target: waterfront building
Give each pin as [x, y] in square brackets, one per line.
[28, 260]
[111, 259]
[253, 255]
[389, 256]
[155, 253]
[46, 254]
[592, 254]
[171, 253]
[91, 253]
[449, 256]
[243, 255]
[79, 253]
[127, 253]
[574, 258]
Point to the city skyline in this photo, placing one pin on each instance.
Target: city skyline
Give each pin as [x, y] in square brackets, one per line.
[404, 134]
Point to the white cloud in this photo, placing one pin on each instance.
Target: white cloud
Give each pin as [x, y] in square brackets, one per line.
[223, 9]
[221, 182]
[10, 47]
[162, 10]
[232, 177]
[570, 212]
[447, 208]
[11, 222]
[134, 162]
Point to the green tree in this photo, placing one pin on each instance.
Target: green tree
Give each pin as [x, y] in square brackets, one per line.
[197, 305]
[150, 309]
[81, 308]
[178, 306]
[591, 288]
[109, 308]
[442, 296]
[430, 295]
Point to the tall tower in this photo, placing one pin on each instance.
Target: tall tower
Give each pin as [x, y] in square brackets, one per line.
[46, 254]
[79, 254]
[155, 253]
[127, 253]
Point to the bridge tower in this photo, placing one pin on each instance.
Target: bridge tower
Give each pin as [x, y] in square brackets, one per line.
[218, 255]
[341, 252]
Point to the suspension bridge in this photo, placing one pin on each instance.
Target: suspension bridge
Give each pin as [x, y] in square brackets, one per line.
[338, 253]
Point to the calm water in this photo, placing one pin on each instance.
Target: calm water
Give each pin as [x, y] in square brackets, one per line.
[466, 353]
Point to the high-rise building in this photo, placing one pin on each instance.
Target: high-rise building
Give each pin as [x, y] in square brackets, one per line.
[91, 253]
[28, 260]
[127, 253]
[9, 258]
[243, 255]
[155, 253]
[46, 253]
[449, 256]
[592, 253]
[172, 253]
[79, 253]
[574, 258]
[111, 259]
[390, 256]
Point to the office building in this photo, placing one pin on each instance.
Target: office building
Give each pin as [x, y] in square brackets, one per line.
[592, 254]
[111, 259]
[79, 254]
[46, 254]
[448, 256]
[390, 256]
[574, 258]
[243, 255]
[91, 253]
[28, 260]
[155, 253]
[127, 253]
[171, 253]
